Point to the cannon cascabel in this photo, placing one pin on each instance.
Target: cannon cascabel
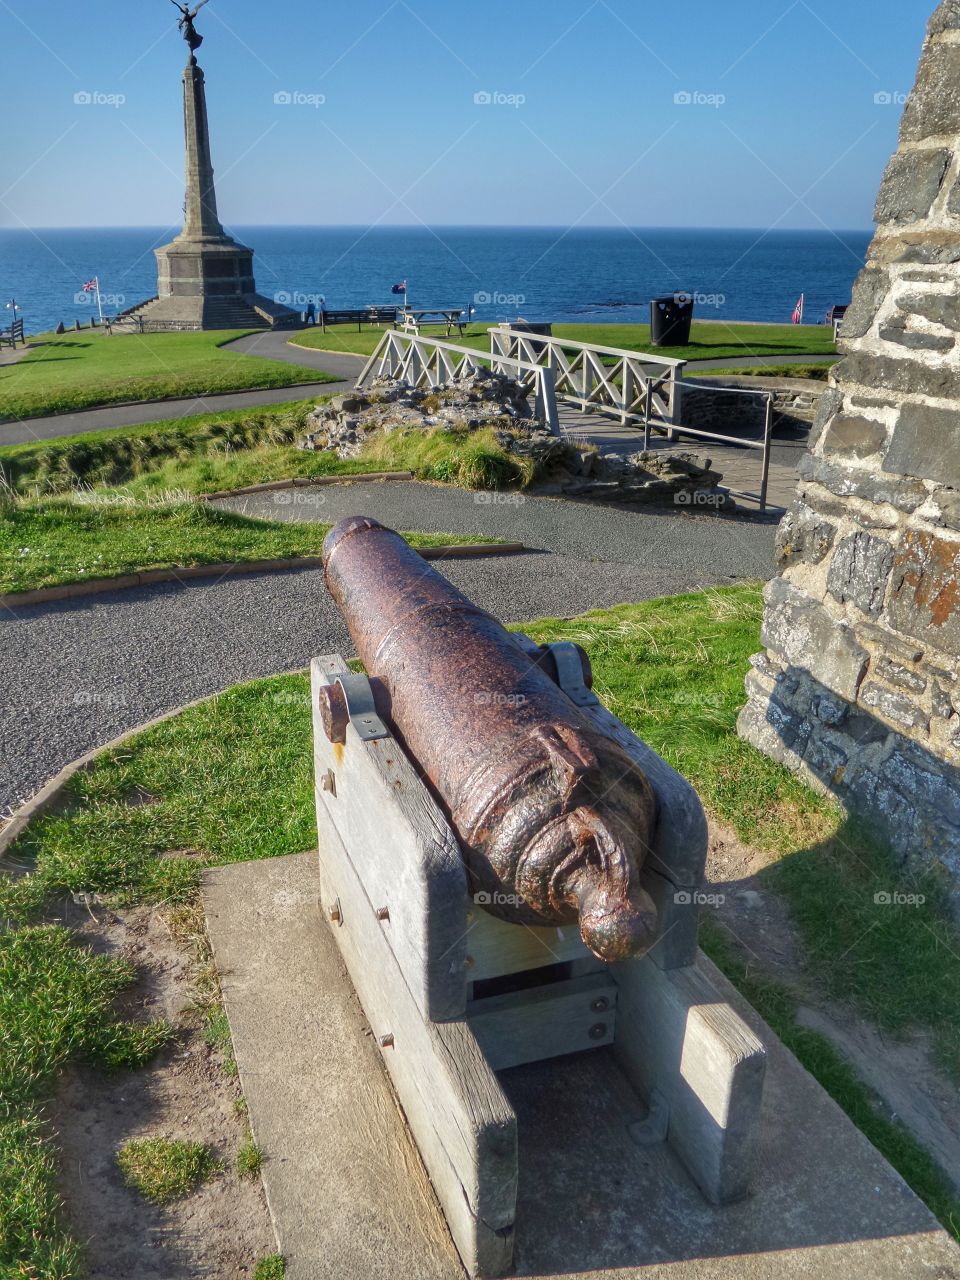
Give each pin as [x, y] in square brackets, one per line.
[553, 817]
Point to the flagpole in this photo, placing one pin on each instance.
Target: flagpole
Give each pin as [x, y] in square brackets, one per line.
[99, 303]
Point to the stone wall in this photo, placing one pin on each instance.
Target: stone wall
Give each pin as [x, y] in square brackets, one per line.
[858, 688]
[713, 409]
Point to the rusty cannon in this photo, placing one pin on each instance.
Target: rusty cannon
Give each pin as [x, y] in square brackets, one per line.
[553, 816]
[510, 875]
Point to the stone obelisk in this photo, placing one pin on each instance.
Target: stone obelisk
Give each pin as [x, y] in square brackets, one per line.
[205, 277]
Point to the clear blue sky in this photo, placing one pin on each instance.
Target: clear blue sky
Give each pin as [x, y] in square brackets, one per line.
[799, 140]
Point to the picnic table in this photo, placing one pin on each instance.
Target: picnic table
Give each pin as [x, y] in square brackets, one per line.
[413, 319]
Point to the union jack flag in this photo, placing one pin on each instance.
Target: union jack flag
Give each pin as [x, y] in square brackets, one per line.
[798, 312]
[400, 288]
[91, 285]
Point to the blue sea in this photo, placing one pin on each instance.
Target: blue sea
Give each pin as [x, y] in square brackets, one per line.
[541, 273]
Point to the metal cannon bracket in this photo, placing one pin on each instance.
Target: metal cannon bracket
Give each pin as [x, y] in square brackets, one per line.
[453, 994]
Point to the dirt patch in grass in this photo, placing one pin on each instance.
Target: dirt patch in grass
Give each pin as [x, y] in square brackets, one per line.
[223, 1227]
[901, 1072]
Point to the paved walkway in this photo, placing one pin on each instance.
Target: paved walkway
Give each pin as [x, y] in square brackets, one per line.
[276, 345]
[739, 465]
[88, 669]
[10, 355]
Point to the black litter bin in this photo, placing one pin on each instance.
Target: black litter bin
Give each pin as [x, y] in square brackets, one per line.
[542, 328]
[670, 320]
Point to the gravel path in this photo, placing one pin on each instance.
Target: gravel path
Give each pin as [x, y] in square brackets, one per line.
[81, 672]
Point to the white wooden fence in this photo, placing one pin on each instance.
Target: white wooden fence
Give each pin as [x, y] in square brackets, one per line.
[428, 362]
[628, 385]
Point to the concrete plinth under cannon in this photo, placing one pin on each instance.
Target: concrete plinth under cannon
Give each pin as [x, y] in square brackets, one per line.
[349, 1197]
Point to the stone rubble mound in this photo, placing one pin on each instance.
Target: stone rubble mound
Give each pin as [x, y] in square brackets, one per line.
[482, 398]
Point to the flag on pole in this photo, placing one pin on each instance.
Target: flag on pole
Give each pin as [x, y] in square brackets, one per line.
[93, 286]
[798, 312]
[400, 288]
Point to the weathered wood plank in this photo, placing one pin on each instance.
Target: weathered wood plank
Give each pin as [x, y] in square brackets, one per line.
[495, 947]
[404, 853]
[677, 1036]
[680, 846]
[464, 1127]
[545, 1022]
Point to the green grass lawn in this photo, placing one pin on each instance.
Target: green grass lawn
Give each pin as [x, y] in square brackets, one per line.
[121, 454]
[233, 781]
[816, 370]
[80, 370]
[209, 453]
[710, 340]
[51, 541]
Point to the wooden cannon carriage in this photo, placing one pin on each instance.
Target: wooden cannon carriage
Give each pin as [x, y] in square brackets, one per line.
[454, 995]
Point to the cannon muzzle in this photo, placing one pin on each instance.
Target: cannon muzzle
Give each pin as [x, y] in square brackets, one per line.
[554, 818]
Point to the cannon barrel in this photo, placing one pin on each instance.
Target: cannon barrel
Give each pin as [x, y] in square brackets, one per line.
[553, 817]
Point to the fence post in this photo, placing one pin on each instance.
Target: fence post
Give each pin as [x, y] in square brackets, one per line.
[767, 436]
[647, 410]
[675, 406]
[547, 400]
[626, 383]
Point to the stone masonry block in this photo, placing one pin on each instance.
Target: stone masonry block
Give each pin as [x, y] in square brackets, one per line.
[859, 571]
[910, 185]
[941, 308]
[855, 436]
[800, 630]
[925, 590]
[869, 292]
[946, 18]
[916, 339]
[933, 109]
[904, 376]
[894, 707]
[926, 443]
[804, 536]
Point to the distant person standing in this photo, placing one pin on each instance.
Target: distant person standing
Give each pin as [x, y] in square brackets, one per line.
[311, 316]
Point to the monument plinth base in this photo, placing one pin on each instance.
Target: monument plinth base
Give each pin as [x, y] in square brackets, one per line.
[207, 282]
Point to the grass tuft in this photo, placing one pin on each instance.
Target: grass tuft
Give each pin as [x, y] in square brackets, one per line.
[249, 1159]
[162, 1170]
[272, 1268]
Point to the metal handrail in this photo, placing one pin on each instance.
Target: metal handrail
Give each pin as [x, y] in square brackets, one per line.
[765, 444]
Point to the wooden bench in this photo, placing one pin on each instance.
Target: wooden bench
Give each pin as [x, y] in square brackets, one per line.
[358, 316]
[12, 335]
